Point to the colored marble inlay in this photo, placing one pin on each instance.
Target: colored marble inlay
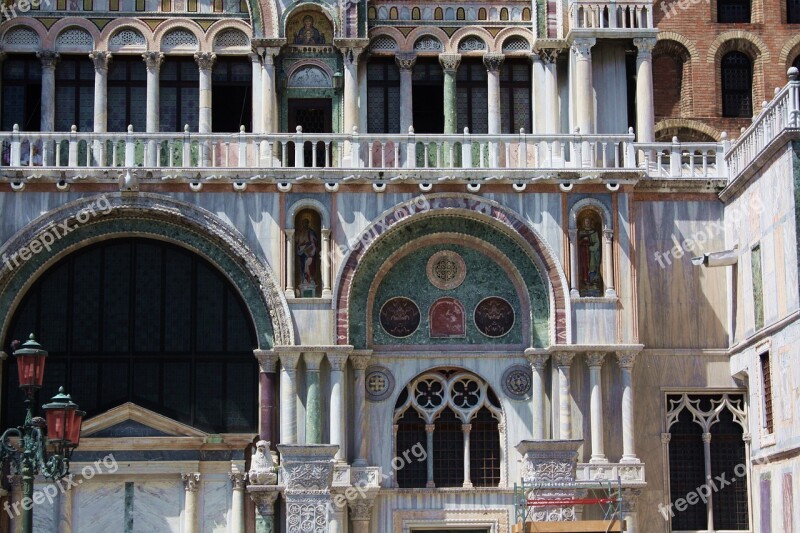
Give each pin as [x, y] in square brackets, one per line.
[494, 317]
[400, 317]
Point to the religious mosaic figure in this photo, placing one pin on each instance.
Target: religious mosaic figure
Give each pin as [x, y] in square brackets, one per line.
[308, 34]
[262, 468]
[307, 249]
[589, 257]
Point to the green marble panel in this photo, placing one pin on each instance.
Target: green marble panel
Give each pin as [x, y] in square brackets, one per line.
[758, 286]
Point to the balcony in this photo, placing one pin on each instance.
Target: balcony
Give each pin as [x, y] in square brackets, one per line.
[610, 18]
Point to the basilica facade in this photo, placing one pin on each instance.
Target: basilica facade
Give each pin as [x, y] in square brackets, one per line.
[404, 267]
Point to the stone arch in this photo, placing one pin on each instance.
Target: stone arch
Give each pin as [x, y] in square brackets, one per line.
[678, 38]
[596, 206]
[749, 44]
[203, 45]
[790, 50]
[678, 52]
[469, 31]
[668, 128]
[118, 25]
[24, 23]
[422, 31]
[507, 33]
[67, 24]
[226, 24]
[485, 211]
[393, 33]
[159, 217]
[308, 203]
[301, 5]
[315, 64]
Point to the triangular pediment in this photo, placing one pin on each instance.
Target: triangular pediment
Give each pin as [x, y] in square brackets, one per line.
[131, 420]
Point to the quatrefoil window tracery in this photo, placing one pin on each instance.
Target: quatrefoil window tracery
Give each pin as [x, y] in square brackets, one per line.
[710, 416]
[462, 392]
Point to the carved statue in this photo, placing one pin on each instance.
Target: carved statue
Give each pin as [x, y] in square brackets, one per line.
[589, 256]
[262, 469]
[307, 243]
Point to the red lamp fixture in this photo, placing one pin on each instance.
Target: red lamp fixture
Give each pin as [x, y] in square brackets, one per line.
[64, 422]
[30, 366]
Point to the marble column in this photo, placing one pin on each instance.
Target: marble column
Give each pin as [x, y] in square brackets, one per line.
[709, 475]
[466, 428]
[237, 501]
[538, 364]
[153, 62]
[429, 429]
[288, 421]
[493, 64]
[626, 361]
[267, 361]
[564, 363]
[191, 483]
[630, 499]
[326, 259]
[552, 108]
[264, 498]
[584, 108]
[65, 511]
[450, 63]
[360, 515]
[269, 101]
[337, 421]
[257, 111]
[16, 498]
[350, 57]
[360, 426]
[608, 262]
[574, 274]
[49, 60]
[594, 360]
[313, 398]
[205, 63]
[645, 113]
[290, 292]
[2, 60]
[337, 523]
[405, 62]
[101, 61]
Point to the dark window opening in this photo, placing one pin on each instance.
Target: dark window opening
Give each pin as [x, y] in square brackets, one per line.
[179, 94]
[22, 92]
[727, 452]
[383, 96]
[686, 471]
[74, 94]
[737, 85]
[410, 433]
[232, 95]
[127, 93]
[515, 96]
[766, 393]
[793, 11]
[472, 97]
[733, 11]
[428, 96]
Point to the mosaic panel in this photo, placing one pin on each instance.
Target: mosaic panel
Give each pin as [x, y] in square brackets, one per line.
[400, 317]
[494, 317]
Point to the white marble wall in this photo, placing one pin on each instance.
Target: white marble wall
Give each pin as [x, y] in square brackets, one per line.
[157, 506]
[45, 514]
[215, 506]
[99, 505]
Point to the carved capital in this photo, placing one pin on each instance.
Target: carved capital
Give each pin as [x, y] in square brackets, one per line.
[101, 60]
[538, 361]
[564, 358]
[313, 361]
[205, 60]
[644, 45]
[548, 55]
[405, 61]
[665, 438]
[608, 234]
[595, 359]
[153, 60]
[629, 499]
[582, 48]
[450, 62]
[429, 428]
[338, 361]
[49, 58]
[466, 428]
[267, 360]
[626, 360]
[360, 362]
[493, 62]
[360, 510]
[265, 501]
[706, 437]
[289, 361]
[237, 480]
[191, 481]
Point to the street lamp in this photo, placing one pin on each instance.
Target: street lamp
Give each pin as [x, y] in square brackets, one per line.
[29, 456]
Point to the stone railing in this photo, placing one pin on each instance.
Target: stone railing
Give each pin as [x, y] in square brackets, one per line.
[781, 113]
[594, 15]
[684, 160]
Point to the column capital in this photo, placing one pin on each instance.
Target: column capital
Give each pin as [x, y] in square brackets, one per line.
[644, 45]
[493, 62]
[264, 499]
[608, 234]
[267, 360]
[49, 58]
[313, 361]
[583, 47]
[360, 510]
[665, 438]
[360, 362]
[429, 428]
[626, 360]
[351, 49]
[547, 55]
[563, 359]
[405, 61]
[706, 437]
[595, 359]
[205, 60]
[289, 361]
[101, 59]
[538, 360]
[450, 62]
[237, 480]
[289, 233]
[466, 428]
[338, 361]
[629, 499]
[191, 481]
[153, 61]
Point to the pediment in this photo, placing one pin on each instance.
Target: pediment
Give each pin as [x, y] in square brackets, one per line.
[130, 420]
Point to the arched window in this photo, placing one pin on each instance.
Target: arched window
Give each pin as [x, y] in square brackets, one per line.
[142, 321]
[793, 11]
[732, 11]
[721, 419]
[737, 85]
[448, 411]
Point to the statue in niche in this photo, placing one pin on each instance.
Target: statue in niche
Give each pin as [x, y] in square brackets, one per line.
[308, 34]
[262, 467]
[590, 249]
[307, 251]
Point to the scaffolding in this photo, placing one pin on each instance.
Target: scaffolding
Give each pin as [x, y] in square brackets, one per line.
[607, 494]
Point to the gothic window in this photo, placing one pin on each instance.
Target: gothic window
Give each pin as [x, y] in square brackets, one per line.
[472, 102]
[793, 11]
[231, 94]
[307, 249]
[766, 393]
[693, 419]
[180, 100]
[590, 253]
[732, 11]
[515, 96]
[448, 411]
[127, 88]
[22, 92]
[143, 321]
[737, 85]
[383, 96]
[74, 94]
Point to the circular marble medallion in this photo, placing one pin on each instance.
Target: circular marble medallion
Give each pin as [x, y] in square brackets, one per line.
[379, 383]
[400, 317]
[517, 382]
[446, 270]
[494, 317]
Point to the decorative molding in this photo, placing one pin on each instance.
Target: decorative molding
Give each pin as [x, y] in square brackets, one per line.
[238, 480]
[405, 61]
[493, 62]
[450, 62]
[48, 58]
[337, 361]
[101, 60]
[205, 60]
[517, 382]
[360, 510]
[582, 48]
[153, 61]
[563, 359]
[626, 359]
[379, 383]
[595, 359]
[191, 481]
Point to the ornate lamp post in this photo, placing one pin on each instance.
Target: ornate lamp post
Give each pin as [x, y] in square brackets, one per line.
[34, 452]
